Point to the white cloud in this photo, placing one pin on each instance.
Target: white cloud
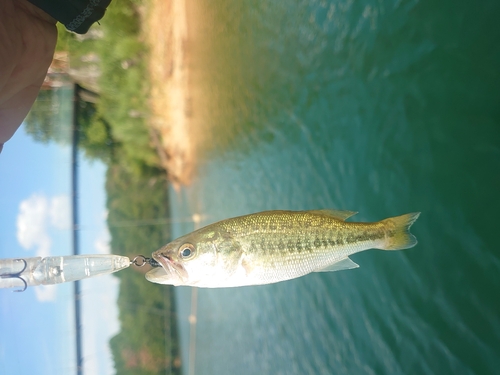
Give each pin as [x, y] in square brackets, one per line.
[32, 224]
[60, 212]
[37, 215]
[101, 243]
[45, 293]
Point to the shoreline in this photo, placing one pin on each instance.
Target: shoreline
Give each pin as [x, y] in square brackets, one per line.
[166, 32]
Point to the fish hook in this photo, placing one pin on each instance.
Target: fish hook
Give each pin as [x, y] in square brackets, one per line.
[17, 275]
[141, 260]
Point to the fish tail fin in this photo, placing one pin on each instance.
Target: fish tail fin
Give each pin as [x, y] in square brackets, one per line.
[399, 236]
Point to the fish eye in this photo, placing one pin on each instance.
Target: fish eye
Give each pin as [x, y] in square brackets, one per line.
[186, 251]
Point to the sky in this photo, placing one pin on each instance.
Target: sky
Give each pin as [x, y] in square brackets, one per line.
[35, 220]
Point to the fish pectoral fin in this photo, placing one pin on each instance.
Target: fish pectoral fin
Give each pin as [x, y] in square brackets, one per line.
[247, 266]
[344, 264]
[337, 214]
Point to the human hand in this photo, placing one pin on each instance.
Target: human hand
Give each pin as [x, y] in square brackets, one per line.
[28, 38]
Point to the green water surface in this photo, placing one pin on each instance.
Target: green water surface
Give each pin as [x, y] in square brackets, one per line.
[382, 107]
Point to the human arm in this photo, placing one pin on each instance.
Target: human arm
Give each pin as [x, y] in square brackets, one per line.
[28, 37]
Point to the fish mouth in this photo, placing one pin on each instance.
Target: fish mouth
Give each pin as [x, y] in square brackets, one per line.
[171, 272]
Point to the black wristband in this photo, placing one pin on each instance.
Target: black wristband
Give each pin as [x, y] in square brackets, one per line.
[76, 15]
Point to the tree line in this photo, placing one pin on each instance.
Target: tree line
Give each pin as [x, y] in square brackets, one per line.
[113, 129]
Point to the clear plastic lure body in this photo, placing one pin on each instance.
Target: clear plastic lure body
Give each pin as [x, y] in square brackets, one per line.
[21, 273]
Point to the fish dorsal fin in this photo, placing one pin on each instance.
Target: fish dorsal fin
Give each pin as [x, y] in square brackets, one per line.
[344, 264]
[337, 214]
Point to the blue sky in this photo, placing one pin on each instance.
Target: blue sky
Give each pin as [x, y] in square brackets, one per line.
[35, 218]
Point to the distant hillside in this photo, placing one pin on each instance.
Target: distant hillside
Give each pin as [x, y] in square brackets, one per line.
[138, 222]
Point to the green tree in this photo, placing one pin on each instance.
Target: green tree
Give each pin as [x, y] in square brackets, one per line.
[138, 221]
[95, 134]
[41, 121]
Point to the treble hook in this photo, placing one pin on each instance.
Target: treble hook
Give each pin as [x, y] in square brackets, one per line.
[17, 275]
[141, 260]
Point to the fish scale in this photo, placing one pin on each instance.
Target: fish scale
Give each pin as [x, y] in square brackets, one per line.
[274, 246]
[303, 243]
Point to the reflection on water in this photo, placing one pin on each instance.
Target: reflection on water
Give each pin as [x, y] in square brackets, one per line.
[379, 107]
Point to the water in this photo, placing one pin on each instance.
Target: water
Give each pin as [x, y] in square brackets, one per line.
[383, 107]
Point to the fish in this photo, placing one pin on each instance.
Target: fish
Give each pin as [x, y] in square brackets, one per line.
[272, 246]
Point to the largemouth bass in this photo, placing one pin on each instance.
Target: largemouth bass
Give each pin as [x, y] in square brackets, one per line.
[272, 246]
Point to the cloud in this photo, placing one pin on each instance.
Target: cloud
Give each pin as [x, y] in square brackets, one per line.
[101, 243]
[102, 246]
[45, 293]
[32, 224]
[60, 211]
[37, 216]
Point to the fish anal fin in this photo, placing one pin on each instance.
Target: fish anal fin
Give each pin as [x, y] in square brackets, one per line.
[344, 264]
[337, 214]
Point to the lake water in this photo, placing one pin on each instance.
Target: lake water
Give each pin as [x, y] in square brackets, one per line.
[383, 107]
